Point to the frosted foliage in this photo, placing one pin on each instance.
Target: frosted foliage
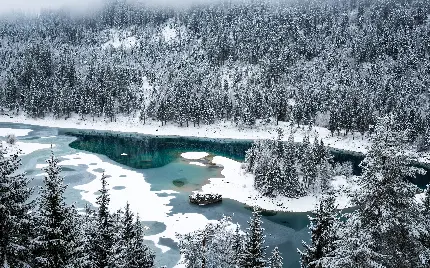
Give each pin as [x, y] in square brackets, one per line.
[214, 246]
[385, 230]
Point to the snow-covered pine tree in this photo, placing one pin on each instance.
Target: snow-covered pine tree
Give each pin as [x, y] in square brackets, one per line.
[425, 232]
[308, 165]
[274, 180]
[15, 217]
[103, 242]
[324, 167]
[190, 246]
[384, 230]
[254, 251]
[139, 255]
[275, 260]
[237, 246]
[323, 234]
[217, 245]
[87, 240]
[55, 241]
[118, 244]
[133, 253]
[354, 247]
[292, 186]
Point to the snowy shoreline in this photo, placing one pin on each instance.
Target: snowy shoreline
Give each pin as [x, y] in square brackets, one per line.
[352, 143]
[239, 186]
[220, 130]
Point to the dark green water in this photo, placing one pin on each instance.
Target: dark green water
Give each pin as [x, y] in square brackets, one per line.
[143, 152]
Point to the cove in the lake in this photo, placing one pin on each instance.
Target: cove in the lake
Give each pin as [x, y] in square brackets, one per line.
[144, 152]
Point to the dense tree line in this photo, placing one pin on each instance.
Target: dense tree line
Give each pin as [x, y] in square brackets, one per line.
[49, 233]
[288, 168]
[338, 64]
[389, 228]
[220, 245]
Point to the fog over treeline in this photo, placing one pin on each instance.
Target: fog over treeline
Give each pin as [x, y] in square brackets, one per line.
[34, 7]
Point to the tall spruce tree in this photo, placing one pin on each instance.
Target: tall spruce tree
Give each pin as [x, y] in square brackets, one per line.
[104, 238]
[275, 260]
[237, 246]
[139, 255]
[254, 251]
[133, 252]
[87, 239]
[55, 241]
[323, 235]
[425, 232]
[15, 216]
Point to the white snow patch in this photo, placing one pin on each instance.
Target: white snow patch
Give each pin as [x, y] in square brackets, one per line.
[17, 132]
[169, 33]
[48, 137]
[419, 198]
[197, 164]
[41, 166]
[194, 155]
[239, 186]
[25, 147]
[120, 39]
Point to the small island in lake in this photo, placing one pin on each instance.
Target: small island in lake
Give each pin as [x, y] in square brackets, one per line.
[205, 199]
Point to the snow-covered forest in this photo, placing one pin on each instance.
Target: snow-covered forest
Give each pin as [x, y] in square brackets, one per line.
[288, 168]
[349, 66]
[338, 64]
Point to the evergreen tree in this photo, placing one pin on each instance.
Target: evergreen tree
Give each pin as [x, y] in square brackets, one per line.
[309, 165]
[139, 255]
[87, 240]
[214, 246]
[275, 260]
[323, 235]
[119, 246]
[237, 247]
[254, 252]
[425, 232]
[104, 238]
[384, 230]
[15, 216]
[133, 252]
[55, 242]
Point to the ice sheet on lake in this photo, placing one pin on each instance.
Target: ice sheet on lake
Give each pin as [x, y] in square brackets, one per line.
[150, 205]
[14, 131]
[194, 155]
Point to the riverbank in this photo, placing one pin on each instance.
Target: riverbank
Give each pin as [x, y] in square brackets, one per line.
[222, 130]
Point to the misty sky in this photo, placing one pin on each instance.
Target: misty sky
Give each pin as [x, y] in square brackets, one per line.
[34, 6]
